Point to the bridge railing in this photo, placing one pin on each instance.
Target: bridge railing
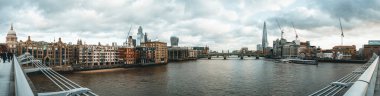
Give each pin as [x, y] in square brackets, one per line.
[68, 87]
[340, 86]
[365, 85]
[22, 87]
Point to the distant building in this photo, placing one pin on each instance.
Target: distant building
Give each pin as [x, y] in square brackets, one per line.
[290, 50]
[264, 45]
[284, 49]
[201, 50]
[145, 55]
[373, 46]
[160, 51]
[140, 37]
[374, 42]
[55, 55]
[134, 42]
[278, 47]
[129, 42]
[344, 52]
[360, 54]
[193, 54]
[174, 41]
[98, 56]
[325, 54]
[244, 50]
[178, 53]
[294, 49]
[127, 55]
[11, 40]
[146, 37]
[259, 47]
[306, 51]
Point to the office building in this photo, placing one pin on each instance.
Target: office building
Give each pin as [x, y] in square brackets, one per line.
[373, 46]
[98, 56]
[264, 43]
[160, 51]
[259, 47]
[127, 55]
[55, 55]
[145, 55]
[174, 41]
[178, 53]
[140, 37]
[344, 52]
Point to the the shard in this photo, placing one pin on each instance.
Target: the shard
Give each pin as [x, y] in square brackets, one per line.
[265, 38]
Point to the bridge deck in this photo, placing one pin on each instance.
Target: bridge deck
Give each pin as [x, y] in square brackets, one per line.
[377, 86]
[5, 78]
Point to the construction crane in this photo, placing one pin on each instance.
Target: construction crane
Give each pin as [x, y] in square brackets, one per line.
[342, 35]
[282, 31]
[126, 41]
[295, 31]
[130, 28]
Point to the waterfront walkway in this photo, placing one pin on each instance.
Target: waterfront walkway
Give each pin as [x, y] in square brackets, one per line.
[5, 78]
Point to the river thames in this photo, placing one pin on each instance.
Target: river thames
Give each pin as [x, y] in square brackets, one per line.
[202, 77]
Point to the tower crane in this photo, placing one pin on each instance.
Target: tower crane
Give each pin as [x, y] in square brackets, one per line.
[127, 42]
[295, 31]
[341, 29]
[282, 31]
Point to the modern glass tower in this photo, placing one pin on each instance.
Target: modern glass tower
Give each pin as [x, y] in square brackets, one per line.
[174, 41]
[265, 38]
[140, 37]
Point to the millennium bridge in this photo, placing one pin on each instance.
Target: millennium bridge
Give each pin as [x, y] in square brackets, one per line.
[363, 81]
[240, 55]
[14, 82]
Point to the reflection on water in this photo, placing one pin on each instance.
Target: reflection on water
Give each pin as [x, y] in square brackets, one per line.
[207, 77]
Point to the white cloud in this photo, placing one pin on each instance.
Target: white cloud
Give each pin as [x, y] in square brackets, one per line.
[221, 24]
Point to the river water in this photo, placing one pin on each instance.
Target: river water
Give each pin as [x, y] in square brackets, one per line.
[202, 77]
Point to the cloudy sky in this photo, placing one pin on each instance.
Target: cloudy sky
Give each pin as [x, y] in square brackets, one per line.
[220, 24]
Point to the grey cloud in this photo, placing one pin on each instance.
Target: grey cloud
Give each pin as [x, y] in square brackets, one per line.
[193, 19]
[326, 13]
[368, 10]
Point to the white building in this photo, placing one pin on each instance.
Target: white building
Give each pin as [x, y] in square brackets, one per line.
[97, 55]
[193, 53]
[11, 40]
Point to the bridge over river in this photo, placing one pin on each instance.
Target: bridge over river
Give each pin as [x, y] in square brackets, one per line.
[13, 79]
[364, 81]
[229, 55]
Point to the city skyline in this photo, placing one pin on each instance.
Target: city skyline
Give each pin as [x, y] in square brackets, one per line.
[219, 23]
